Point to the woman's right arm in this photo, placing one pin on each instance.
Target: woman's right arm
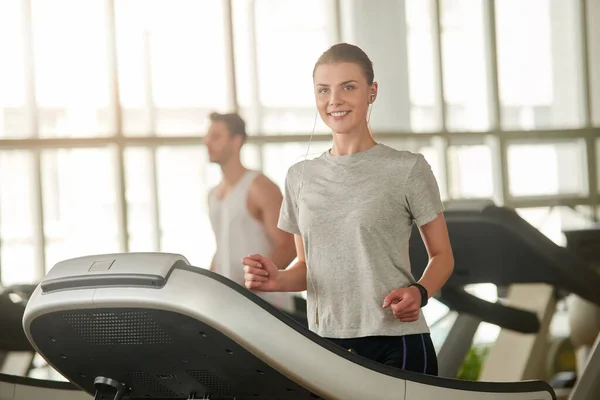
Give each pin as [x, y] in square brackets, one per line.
[263, 275]
[293, 279]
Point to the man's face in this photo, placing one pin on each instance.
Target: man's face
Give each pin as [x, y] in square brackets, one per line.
[221, 145]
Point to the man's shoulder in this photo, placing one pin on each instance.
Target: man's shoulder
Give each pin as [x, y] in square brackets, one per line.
[263, 189]
[261, 181]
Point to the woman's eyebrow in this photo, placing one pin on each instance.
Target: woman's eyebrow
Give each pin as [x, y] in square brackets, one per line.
[341, 84]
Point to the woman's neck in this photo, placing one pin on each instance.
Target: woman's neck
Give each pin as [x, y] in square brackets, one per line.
[350, 143]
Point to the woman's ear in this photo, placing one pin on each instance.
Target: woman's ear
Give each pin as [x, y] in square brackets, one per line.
[373, 94]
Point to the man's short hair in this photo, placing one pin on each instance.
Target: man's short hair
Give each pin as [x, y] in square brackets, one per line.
[235, 123]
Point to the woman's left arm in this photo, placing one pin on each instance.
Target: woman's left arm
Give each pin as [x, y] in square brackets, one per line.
[441, 260]
[406, 302]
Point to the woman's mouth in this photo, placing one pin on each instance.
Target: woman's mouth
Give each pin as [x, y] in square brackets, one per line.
[337, 115]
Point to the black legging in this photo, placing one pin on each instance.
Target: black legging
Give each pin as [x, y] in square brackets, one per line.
[409, 352]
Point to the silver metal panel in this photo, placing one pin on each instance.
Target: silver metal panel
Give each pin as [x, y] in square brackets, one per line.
[231, 313]
[158, 264]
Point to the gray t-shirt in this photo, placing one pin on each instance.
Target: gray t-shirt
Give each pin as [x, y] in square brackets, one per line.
[355, 216]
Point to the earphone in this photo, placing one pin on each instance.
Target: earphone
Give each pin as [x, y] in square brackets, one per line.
[372, 97]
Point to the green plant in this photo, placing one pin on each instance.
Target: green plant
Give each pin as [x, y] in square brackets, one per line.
[471, 366]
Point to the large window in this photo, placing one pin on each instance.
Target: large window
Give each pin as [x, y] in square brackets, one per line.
[12, 73]
[66, 76]
[182, 193]
[471, 171]
[142, 213]
[539, 64]
[275, 80]
[422, 55]
[71, 77]
[80, 203]
[172, 65]
[547, 169]
[465, 66]
[539, 51]
[18, 218]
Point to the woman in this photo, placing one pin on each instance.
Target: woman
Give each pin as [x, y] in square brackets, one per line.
[352, 210]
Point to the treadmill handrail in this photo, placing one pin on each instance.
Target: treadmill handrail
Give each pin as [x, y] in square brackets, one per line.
[504, 316]
[540, 242]
[565, 269]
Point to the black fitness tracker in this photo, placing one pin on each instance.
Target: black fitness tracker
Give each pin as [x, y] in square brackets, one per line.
[424, 294]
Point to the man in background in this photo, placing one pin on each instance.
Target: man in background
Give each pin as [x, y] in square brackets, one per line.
[244, 208]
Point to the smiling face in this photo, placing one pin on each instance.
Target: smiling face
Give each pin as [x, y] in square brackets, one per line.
[343, 96]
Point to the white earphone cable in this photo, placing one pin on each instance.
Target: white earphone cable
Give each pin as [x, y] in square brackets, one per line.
[308, 274]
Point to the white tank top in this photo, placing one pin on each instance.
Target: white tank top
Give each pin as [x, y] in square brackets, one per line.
[239, 234]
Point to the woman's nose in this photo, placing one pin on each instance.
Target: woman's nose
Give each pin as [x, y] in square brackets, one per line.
[335, 98]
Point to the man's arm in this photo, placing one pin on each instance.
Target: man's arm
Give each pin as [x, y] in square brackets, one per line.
[266, 197]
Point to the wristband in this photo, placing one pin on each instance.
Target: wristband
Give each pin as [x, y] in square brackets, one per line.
[423, 291]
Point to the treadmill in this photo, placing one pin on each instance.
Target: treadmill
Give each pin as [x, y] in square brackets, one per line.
[150, 325]
[495, 245]
[93, 317]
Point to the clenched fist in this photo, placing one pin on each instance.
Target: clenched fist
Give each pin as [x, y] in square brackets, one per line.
[405, 303]
[261, 273]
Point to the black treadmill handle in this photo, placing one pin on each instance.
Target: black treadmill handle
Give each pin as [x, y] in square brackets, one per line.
[507, 317]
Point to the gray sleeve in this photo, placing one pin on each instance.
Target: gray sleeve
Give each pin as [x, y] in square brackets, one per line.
[422, 193]
[288, 214]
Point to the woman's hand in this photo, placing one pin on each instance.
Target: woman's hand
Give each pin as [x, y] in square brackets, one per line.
[261, 273]
[405, 303]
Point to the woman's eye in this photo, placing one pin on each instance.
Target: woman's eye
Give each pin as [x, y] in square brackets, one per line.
[323, 91]
[348, 87]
